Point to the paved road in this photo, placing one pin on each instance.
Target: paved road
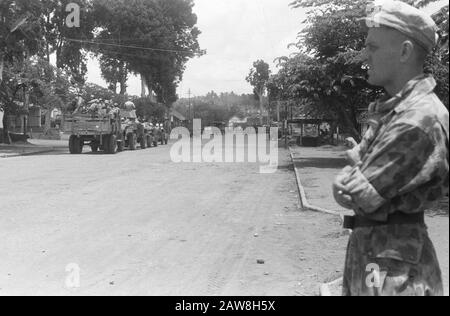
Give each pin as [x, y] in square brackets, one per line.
[137, 224]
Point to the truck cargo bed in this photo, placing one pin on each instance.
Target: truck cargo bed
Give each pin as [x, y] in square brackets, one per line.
[82, 124]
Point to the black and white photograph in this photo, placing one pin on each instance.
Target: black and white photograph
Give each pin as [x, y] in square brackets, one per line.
[225, 154]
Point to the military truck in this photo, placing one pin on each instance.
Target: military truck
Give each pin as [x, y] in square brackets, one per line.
[158, 135]
[162, 135]
[134, 131]
[149, 132]
[100, 132]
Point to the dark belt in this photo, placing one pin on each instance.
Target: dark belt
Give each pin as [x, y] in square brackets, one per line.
[398, 218]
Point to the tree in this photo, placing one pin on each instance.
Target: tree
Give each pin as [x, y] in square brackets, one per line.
[329, 70]
[115, 72]
[212, 107]
[258, 78]
[93, 91]
[65, 41]
[33, 81]
[154, 112]
[438, 62]
[153, 38]
[20, 32]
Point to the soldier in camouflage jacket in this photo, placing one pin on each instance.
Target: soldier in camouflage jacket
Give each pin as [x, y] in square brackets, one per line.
[401, 166]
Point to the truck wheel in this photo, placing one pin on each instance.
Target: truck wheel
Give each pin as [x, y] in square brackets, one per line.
[105, 143]
[143, 142]
[71, 144]
[112, 144]
[75, 145]
[120, 146]
[132, 141]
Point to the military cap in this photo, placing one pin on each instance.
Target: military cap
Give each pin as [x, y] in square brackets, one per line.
[406, 19]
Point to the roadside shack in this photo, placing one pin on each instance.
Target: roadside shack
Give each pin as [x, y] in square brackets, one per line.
[312, 132]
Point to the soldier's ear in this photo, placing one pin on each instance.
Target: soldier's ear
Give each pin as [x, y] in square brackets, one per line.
[407, 51]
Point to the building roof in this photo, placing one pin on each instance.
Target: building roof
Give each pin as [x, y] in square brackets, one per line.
[177, 114]
[237, 120]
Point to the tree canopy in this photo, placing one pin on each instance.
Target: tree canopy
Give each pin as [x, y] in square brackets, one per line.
[327, 76]
[20, 31]
[214, 107]
[259, 78]
[151, 38]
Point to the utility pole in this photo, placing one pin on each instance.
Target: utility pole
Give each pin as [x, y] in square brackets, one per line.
[278, 111]
[189, 94]
[2, 65]
[142, 86]
[193, 107]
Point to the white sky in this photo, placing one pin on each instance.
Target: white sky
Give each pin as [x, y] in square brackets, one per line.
[235, 33]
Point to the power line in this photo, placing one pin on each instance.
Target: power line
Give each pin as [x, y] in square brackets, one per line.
[133, 47]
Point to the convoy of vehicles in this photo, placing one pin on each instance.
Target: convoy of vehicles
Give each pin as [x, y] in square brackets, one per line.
[110, 129]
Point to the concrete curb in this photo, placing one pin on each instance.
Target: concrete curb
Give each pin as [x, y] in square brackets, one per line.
[303, 200]
[324, 289]
[31, 153]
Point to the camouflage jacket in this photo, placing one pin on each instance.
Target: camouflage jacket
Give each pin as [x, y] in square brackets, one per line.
[401, 165]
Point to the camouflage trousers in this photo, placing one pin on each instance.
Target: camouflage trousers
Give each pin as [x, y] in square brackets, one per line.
[396, 260]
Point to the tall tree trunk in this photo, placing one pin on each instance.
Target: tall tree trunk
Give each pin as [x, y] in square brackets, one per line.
[123, 87]
[2, 64]
[123, 77]
[6, 138]
[142, 86]
[48, 121]
[113, 87]
[47, 45]
[59, 62]
[123, 81]
[47, 51]
[261, 107]
[348, 122]
[278, 111]
[27, 106]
